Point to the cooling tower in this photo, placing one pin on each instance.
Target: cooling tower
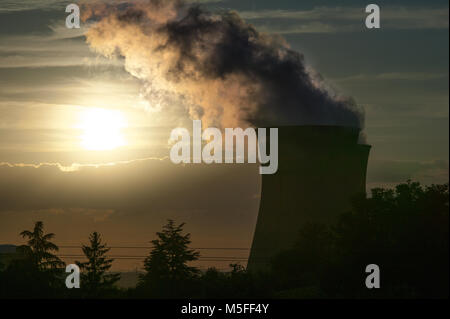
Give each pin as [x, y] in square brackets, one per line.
[321, 168]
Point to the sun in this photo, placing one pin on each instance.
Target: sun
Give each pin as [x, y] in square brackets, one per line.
[102, 129]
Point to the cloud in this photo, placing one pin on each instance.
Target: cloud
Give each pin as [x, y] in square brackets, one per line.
[142, 194]
[51, 50]
[222, 69]
[391, 172]
[77, 166]
[131, 201]
[26, 5]
[403, 76]
[346, 19]
[136, 185]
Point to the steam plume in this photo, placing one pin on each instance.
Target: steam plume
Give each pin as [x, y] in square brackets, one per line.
[217, 66]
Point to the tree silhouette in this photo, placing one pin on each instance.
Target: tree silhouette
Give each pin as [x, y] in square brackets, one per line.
[299, 270]
[167, 265]
[95, 277]
[40, 249]
[403, 230]
[35, 272]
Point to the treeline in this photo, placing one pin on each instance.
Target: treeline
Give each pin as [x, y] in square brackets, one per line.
[403, 230]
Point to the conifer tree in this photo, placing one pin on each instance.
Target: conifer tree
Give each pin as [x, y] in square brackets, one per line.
[95, 275]
[167, 265]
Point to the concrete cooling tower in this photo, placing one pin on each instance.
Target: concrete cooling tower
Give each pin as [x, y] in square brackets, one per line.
[321, 168]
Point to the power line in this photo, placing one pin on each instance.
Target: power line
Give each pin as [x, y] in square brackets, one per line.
[124, 256]
[141, 258]
[151, 247]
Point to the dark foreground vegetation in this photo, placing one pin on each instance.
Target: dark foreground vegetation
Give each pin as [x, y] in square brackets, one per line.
[404, 231]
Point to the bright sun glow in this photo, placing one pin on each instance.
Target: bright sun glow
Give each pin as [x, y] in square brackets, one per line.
[102, 129]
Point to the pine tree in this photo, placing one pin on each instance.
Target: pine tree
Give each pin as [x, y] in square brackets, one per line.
[167, 265]
[94, 273]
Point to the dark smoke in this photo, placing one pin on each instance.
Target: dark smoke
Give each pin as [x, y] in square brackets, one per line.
[223, 69]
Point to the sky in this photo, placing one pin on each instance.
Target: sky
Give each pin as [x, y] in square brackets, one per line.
[51, 80]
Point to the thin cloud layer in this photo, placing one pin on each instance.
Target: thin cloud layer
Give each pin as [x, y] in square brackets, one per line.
[346, 19]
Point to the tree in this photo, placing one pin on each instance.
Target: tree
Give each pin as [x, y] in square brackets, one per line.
[167, 265]
[94, 273]
[35, 272]
[237, 283]
[303, 265]
[40, 249]
[403, 230]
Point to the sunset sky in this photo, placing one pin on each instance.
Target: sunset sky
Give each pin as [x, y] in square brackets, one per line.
[83, 148]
